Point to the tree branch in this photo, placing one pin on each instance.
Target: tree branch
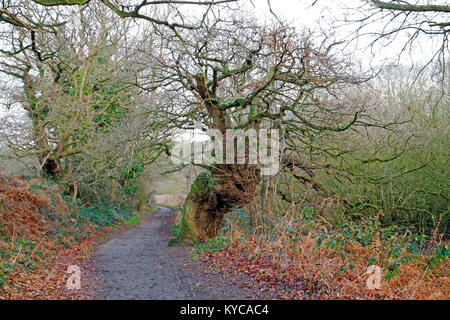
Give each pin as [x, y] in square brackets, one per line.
[411, 7]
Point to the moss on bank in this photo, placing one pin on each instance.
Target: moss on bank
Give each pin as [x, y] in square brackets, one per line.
[201, 196]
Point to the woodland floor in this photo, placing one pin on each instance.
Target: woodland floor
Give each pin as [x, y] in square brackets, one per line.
[137, 263]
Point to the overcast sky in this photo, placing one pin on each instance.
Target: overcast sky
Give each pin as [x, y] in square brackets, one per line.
[314, 13]
[303, 14]
[300, 11]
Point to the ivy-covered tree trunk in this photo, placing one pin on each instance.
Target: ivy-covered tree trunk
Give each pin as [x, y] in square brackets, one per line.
[212, 195]
[142, 197]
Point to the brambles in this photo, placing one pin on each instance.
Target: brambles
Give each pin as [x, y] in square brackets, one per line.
[37, 223]
[328, 262]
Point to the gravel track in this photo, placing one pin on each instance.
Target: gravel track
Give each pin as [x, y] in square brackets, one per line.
[139, 264]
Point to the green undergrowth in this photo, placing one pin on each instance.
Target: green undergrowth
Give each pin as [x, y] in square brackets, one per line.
[63, 223]
[400, 247]
[17, 255]
[202, 190]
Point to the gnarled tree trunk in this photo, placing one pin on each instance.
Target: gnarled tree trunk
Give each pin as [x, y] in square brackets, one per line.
[215, 193]
[212, 196]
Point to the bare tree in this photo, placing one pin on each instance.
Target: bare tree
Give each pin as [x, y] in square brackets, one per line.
[234, 74]
[73, 88]
[11, 11]
[411, 25]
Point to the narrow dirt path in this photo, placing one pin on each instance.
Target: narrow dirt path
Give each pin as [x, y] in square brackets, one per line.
[138, 264]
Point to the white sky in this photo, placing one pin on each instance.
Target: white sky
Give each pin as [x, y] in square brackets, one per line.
[299, 11]
[301, 14]
[304, 14]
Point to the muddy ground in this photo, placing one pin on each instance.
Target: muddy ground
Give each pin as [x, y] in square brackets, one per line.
[138, 264]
